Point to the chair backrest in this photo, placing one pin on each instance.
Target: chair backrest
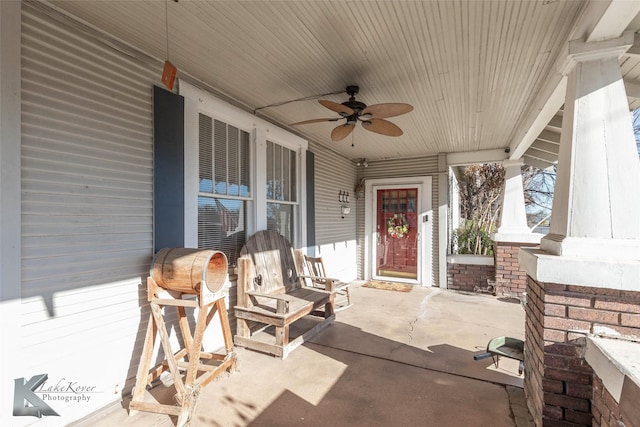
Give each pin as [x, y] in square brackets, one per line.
[273, 266]
[315, 267]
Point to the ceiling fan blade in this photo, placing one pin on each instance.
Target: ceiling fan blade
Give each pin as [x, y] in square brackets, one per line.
[343, 110]
[383, 127]
[305, 122]
[382, 111]
[341, 132]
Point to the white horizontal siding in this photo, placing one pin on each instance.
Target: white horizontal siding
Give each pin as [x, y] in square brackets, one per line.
[87, 208]
[335, 235]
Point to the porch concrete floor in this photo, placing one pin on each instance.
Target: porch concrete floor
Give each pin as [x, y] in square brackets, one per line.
[392, 359]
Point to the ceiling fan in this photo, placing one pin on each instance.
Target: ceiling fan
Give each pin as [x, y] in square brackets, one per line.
[370, 117]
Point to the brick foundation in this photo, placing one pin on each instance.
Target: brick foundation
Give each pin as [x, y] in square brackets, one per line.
[464, 277]
[559, 384]
[510, 278]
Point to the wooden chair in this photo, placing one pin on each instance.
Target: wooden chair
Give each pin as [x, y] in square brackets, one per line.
[271, 293]
[317, 276]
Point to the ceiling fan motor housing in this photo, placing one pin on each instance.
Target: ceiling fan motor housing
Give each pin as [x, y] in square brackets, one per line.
[356, 106]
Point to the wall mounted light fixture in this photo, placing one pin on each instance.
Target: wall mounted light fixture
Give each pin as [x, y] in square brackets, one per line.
[343, 198]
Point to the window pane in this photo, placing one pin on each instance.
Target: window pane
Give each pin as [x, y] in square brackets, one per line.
[277, 172]
[286, 177]
[280, 219]
[221, 226]
[281, 173]
[231, 161]
[292, 176]
[220, 157]
[270, 178]
[233, 164]
[244, 164]
[205, 139]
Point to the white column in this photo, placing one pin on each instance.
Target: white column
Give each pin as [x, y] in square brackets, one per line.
[513, 220]
[597, 194]
[594, 238]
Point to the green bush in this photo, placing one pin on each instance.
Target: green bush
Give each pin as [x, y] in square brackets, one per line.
[473, 238]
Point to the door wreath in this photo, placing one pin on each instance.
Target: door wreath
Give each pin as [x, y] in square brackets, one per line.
[397, 226]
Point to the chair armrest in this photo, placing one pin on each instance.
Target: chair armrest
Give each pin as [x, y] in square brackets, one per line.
[281, 299]
[329, 279]
[328, 282]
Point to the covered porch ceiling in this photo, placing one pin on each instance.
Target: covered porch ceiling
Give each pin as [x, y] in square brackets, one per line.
[481, 75]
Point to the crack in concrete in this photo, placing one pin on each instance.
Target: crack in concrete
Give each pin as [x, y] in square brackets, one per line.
[411, 323]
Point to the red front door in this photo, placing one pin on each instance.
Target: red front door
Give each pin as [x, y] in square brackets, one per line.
[397, 233]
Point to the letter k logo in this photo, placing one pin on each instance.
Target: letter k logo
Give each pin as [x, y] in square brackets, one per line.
[24, 392]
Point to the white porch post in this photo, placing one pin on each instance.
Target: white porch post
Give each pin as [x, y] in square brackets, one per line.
[594, 238]
[513, 220]
[597, 195]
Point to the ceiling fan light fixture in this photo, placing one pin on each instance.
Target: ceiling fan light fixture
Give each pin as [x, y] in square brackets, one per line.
[362, 162]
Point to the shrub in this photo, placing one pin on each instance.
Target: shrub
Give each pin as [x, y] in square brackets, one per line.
[473, 238]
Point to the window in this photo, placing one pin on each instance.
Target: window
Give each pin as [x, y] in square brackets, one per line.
[281, 190]
[224, 186]
[241, 175]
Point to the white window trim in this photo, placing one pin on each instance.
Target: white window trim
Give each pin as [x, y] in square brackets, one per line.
[196, 101]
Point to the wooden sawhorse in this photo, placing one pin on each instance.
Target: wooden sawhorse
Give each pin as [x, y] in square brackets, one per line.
[187, 390]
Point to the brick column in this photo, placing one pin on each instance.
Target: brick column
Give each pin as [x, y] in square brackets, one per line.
[510, 278]
[586, 273]
[512, 234]
[558, 381]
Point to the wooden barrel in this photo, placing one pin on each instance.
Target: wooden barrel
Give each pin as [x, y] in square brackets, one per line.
[185, 269]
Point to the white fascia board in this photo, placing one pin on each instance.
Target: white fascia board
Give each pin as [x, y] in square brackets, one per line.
[614, 21]
[475, 157]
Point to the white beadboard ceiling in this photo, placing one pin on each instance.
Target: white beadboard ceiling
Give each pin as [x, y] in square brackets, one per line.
[478, 73]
